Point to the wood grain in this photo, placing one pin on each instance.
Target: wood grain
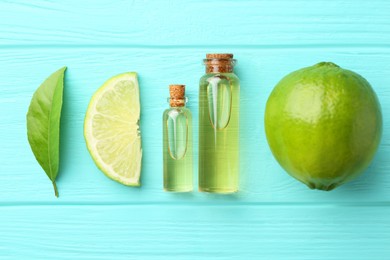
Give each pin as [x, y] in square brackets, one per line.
[272, 217]
[207, 23]
[211, 232]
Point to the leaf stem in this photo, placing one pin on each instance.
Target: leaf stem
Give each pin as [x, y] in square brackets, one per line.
[55, 188]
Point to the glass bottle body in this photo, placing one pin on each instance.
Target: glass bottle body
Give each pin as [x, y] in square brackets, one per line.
[177, 149]
[219, 96]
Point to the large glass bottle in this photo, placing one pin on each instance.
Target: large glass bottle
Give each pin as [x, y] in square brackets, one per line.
[219, 96]
[177, 142]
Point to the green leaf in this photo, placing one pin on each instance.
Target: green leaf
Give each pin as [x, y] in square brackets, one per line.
[43, 124]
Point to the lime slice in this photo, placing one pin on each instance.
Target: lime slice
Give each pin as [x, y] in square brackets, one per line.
[111, 129]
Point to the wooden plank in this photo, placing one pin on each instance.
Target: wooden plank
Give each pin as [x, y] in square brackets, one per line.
[272, 217]
[189, 23]
[22, 182]
[187, 232]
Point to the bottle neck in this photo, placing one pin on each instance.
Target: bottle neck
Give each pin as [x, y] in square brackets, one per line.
[177, 102]
[219, 65]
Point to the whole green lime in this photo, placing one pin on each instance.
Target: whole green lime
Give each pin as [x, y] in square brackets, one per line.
[323, 125]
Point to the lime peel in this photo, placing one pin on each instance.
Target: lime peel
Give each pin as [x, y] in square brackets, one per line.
[323, 124]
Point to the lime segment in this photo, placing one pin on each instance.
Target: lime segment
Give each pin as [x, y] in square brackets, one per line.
[111, 129]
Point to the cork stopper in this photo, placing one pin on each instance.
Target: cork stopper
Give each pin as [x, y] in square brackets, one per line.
[219, 62]
[177, 95]
[226, 56]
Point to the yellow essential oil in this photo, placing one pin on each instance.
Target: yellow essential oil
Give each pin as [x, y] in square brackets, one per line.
[177, 142]
[219, 96]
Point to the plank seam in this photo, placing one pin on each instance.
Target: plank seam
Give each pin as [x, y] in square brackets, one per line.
[217, 46]
[201, 204]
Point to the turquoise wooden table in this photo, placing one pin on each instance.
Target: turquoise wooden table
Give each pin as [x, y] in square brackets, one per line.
[272, 217]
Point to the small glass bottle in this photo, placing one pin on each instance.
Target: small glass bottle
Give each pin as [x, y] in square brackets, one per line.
[177, 142]
[219, 97]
